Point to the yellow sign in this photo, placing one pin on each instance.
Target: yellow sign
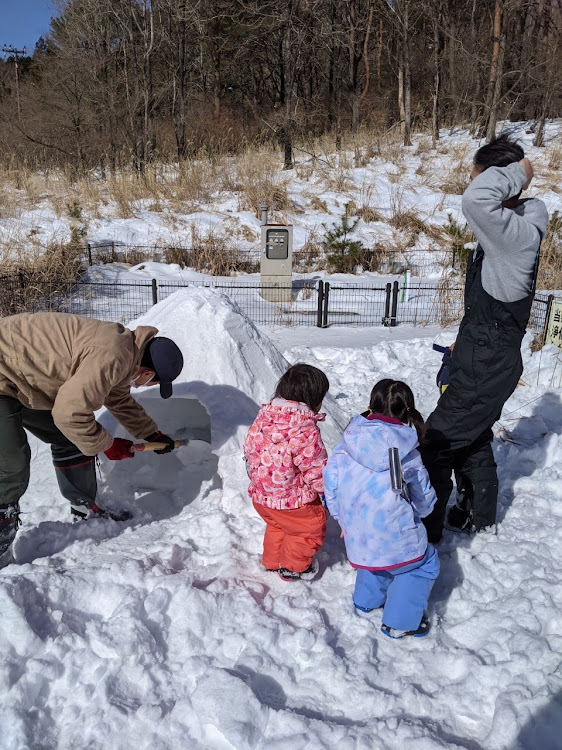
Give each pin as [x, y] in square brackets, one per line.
[554, 325]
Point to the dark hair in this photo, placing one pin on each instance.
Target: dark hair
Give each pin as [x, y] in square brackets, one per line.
[393, 398]
[146, 361]
[303, 383]
[500, 152]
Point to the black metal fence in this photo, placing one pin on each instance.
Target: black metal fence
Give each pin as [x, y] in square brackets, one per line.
[308, 302]
[539, 312]
[293, 304]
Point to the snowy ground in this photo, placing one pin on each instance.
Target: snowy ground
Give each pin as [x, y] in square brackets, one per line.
[164, 632]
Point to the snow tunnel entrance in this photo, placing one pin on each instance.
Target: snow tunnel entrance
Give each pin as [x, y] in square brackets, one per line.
[161, 486]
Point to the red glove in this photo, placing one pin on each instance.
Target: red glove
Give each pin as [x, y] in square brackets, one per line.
[159, 437]
[119, 449]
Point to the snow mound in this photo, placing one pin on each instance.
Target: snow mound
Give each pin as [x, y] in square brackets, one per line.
[230, 367]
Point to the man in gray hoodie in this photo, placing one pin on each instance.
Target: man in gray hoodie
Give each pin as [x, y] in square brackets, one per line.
[486, 362]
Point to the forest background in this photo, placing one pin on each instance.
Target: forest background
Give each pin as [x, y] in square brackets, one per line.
[122, 83]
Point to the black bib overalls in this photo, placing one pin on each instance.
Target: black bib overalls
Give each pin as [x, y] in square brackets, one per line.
[485, 369]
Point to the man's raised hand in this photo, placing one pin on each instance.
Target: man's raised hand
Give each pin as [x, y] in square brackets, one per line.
[528, 169]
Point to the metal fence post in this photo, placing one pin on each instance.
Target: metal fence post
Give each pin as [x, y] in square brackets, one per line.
[320, 303]
[386, 319]
[394, 303]
[89, 247]
[549, 301]
[154, 292]
[326, 302]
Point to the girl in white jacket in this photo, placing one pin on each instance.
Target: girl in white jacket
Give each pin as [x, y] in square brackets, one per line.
[384, 536]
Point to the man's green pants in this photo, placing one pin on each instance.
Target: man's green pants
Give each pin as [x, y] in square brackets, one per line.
[76, 473]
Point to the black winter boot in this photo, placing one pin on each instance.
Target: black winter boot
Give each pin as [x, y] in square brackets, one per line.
[9, 522]
[83, 513]
[306, 575]
[459, 519]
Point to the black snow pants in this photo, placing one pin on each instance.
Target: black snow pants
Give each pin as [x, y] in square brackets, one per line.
[485, 369]
[75, 472]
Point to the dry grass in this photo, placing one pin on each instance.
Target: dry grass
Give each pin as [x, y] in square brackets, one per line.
[456, 182]
[339, 178]
[211, 253]
[260, 183]
[317, 204]
[448, 301]
[555, 160]
[369, 214]
[367, 197]
[550, 268]
[409, 221]
[424, 146]
[311, 257]
[422, 168]
[38, 274]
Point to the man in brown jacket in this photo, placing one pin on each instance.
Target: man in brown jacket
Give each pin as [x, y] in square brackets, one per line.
[56, 370]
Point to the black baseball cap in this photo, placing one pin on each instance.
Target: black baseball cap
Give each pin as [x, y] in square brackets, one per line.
[168, 363]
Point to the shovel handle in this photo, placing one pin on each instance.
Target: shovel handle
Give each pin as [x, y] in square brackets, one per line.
[137, 447]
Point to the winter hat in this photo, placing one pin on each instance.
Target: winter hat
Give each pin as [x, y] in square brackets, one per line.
[168, 363]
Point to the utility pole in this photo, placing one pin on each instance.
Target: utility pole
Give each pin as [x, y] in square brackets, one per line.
[15, 52]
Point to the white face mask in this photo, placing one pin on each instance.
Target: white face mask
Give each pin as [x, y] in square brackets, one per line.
[133, 382]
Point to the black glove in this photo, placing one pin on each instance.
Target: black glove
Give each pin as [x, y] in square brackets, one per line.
[159, 437]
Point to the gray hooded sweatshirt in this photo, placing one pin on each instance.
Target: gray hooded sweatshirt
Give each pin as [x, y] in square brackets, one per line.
[510, 238]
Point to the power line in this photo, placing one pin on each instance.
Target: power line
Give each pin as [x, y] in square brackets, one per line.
[9, 50]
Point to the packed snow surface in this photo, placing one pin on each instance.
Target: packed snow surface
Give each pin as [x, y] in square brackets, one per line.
[165, 632]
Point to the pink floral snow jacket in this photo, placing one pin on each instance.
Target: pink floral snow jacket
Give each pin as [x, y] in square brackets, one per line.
[285, 455]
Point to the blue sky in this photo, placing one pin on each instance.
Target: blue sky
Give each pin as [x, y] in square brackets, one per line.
[22, 22]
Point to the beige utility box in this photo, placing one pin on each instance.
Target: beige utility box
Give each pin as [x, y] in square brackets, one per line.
[276, 266]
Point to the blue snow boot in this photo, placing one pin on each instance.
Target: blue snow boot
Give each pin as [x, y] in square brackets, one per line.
[422, 630]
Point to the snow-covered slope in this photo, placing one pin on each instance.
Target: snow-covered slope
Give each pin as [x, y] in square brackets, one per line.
[382, 180]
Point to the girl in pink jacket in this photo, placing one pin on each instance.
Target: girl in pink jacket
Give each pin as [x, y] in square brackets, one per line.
[285, 456]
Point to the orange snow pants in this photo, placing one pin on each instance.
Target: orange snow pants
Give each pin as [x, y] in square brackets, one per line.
[292, 536]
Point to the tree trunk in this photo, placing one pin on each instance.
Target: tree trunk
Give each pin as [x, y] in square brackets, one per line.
[379, 54]
[494, 68]
[338, 115]
[401, 110]
[474, 107]
[437, 52]
[288, 65]
[407, 77]
[365, 91]
[497, 77]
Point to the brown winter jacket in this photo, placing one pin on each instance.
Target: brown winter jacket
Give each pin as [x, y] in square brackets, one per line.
[74, 366]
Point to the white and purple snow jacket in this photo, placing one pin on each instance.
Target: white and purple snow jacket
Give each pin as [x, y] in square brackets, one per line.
[381, 530]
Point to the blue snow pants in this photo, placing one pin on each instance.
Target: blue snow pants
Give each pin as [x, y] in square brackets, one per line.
[403, 591]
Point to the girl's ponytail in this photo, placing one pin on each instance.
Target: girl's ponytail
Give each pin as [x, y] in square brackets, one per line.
[394, 398]
[416, 421]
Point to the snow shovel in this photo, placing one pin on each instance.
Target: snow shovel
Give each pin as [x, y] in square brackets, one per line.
[184, 419]
[143, 447]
